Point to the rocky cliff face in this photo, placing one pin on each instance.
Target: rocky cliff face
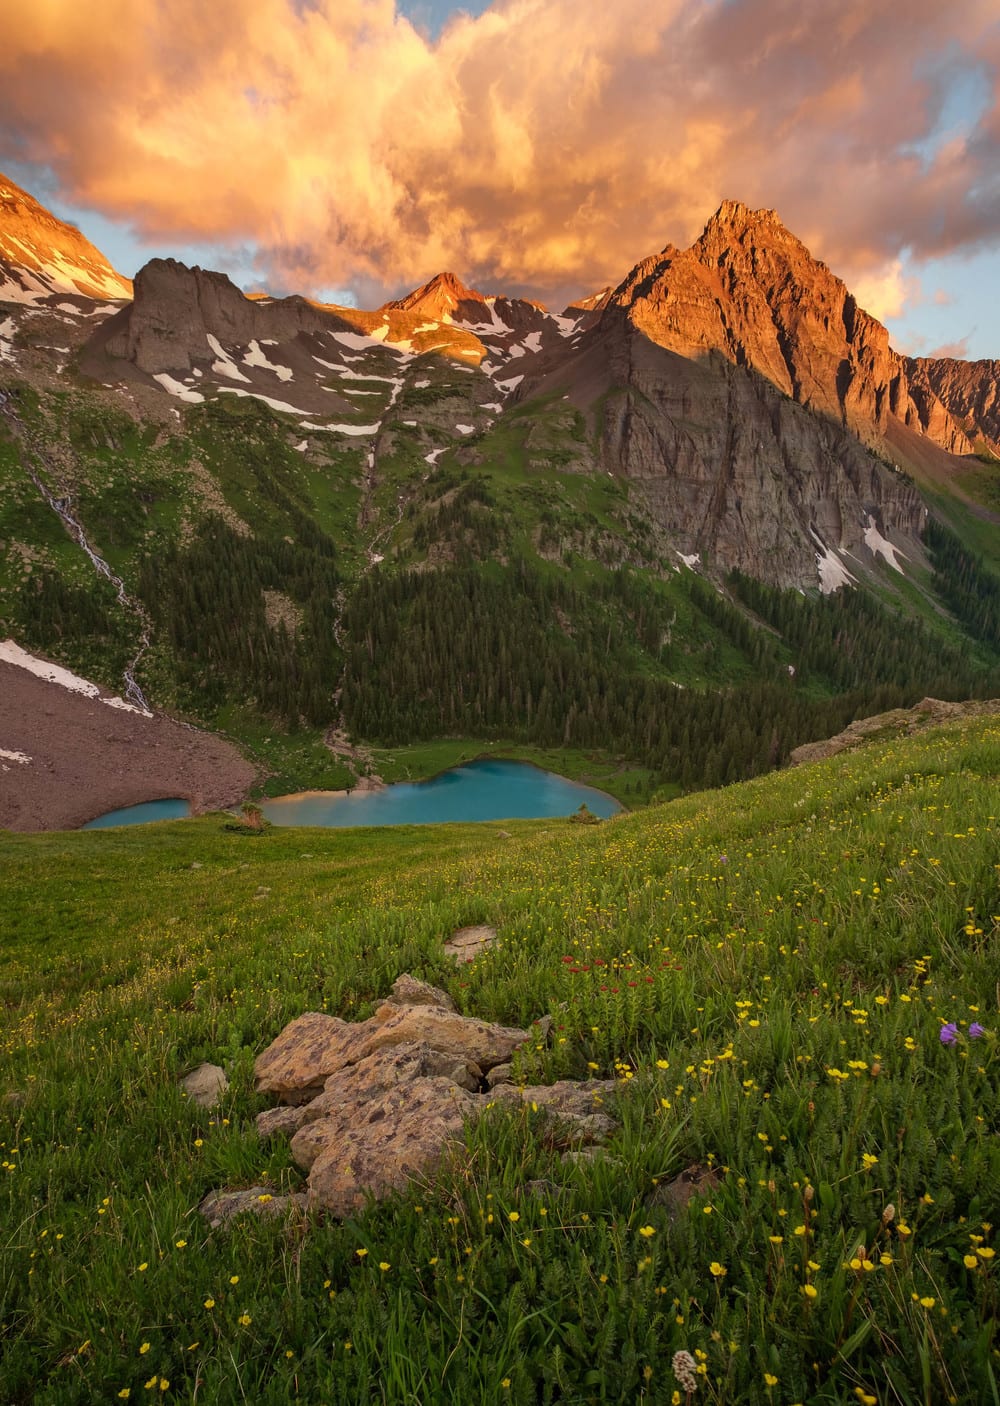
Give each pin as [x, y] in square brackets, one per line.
[41, 256]
[176, 308]
[747, 396]
[969, 390]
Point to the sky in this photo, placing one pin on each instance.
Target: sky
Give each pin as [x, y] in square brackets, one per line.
[350, 149]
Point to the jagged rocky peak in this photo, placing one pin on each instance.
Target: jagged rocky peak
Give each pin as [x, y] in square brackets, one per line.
[440, 298]
[42, 256]
[749, 290]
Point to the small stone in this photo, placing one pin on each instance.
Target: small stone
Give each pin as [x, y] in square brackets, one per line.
[695, 1180]
[407, 990]
[219, 1207]
[205, 1085]
[465, 944]
[500, 1074]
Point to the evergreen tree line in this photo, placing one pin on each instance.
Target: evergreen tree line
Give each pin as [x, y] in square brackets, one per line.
[965, 584]
[514, 652]
[206, 599]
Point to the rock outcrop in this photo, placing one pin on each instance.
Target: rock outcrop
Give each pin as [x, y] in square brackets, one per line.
[373, 1104]
[929, 712]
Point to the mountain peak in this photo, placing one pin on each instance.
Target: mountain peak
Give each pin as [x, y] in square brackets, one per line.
[41, 255]
[438, 297]
[733, 219]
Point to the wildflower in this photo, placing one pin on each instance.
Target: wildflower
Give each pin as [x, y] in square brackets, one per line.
[647, 1230]
[234, 1279]
[970, 1262]
[976, 1030]
[125, 1393]
[949, 1033]
[384, 1265]
[179, 1244]
[769, 1380]
[984, 1252]
[143, 1349]
[718, 1270]
[513, 1216]
[209, 1303]
[927, 1301]
[685, 1370]
[142, 1268]
[244, 1320]
[810, 1290]
[889, 1214]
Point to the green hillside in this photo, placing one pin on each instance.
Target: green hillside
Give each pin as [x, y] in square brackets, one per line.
[766, 969]
[503, 593]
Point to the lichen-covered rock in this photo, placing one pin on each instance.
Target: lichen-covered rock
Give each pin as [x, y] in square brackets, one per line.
[296, 1065]
[579, 1109]
[465, 944]
[218, 1207]
[375, 1145]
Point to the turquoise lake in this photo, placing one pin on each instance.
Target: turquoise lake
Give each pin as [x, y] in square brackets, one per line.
[141, 814]
[486, 790]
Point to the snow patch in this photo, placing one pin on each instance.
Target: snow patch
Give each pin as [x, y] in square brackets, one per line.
[878, 545]
[831, 570]
[690, 561]
[433, 456]
[466, 429]
[420, 385]
[178, 389]
[11, 653]
[224, 365]
[268, 400]
[302, 446]
[533, 342]
[509, 385]
[21, 757]
[255, 357]
[566, 326]
[344, 429]
[7, 330]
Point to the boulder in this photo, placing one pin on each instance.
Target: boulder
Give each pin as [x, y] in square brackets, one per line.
[378, 1142]
[296, 1065]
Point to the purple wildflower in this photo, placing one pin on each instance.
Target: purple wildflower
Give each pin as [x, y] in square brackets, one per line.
[949, 1033]
[975, 1030]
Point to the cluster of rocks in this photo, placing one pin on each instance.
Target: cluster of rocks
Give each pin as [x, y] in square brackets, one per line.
[371, 1104]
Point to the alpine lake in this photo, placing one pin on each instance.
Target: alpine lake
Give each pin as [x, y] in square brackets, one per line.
[481, 790]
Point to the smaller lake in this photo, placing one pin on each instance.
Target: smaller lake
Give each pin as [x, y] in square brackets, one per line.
[141, 814]
[486, 790]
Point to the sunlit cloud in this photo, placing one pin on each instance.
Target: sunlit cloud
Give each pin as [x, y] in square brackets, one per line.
[541, 146]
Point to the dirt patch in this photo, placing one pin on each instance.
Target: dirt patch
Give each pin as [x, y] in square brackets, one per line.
[88, 758]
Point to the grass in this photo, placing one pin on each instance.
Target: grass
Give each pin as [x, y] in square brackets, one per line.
[766, 971]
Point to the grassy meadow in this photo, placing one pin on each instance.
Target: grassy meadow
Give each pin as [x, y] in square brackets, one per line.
[767, 971]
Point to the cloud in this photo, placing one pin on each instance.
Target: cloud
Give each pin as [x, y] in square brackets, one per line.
[885, 292]
[958, 351]
[542, 146]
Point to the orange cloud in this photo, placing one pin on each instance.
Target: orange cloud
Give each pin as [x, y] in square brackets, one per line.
[544, 145]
